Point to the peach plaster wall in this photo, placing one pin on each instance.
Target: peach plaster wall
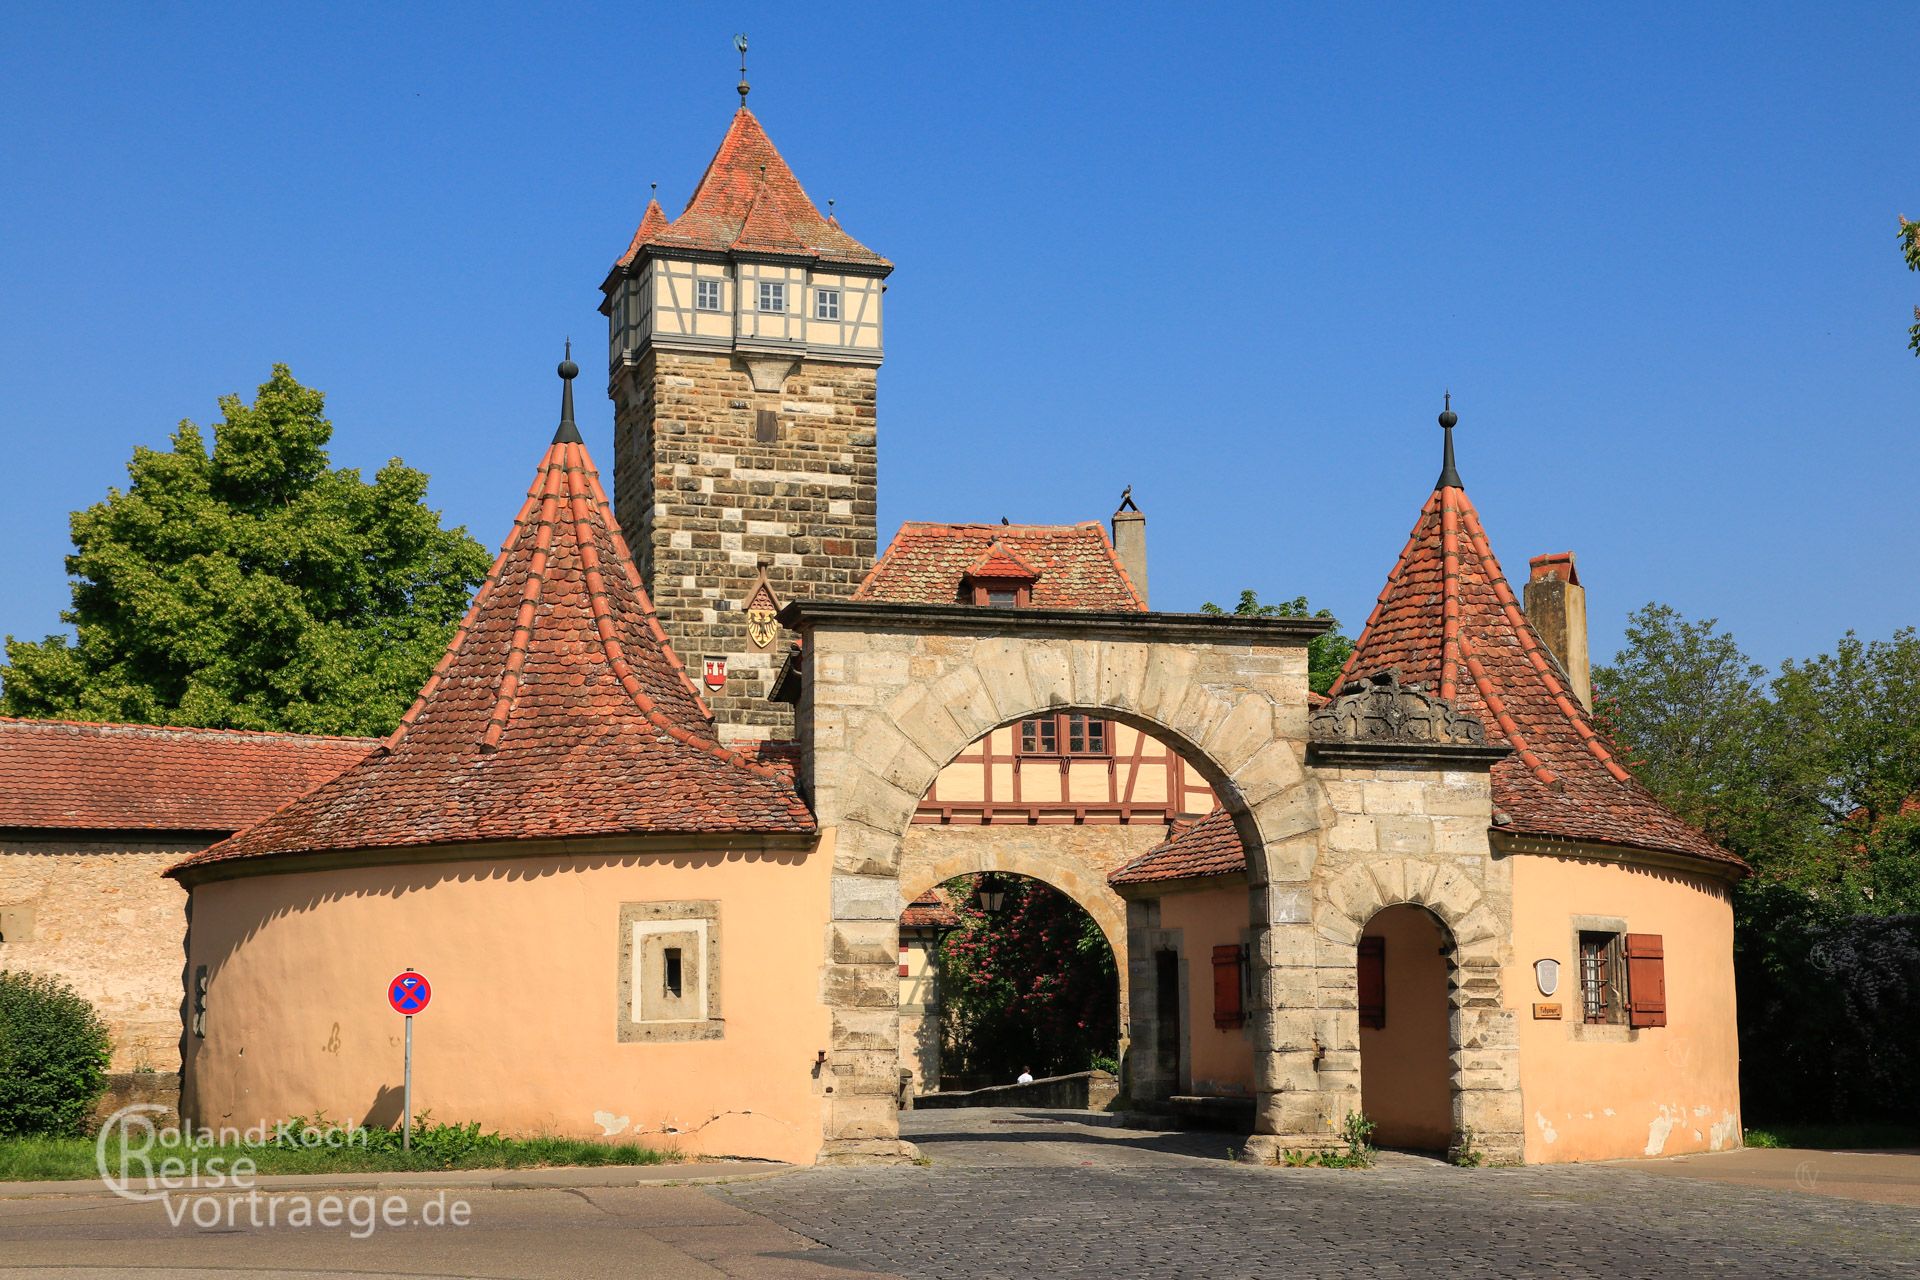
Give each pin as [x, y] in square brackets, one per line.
[1608, 1092]
[524, 953]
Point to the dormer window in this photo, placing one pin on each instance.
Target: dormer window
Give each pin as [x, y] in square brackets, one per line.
[1000, 579]
[772, 296]
[706, 295]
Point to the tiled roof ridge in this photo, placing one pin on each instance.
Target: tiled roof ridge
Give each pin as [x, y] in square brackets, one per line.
[999, 554]
[1113, 558]
[1536, 653]
[652, 223]
[1459, 517]
[553, 483]
[129, 726]
[775, 215]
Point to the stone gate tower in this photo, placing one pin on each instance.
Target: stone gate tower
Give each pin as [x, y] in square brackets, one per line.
[744, 341]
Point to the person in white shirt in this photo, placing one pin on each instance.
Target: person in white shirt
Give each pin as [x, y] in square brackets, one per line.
[1026, 1077]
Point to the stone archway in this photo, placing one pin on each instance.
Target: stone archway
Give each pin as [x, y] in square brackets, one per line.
[894, 692]
[1483, 1047]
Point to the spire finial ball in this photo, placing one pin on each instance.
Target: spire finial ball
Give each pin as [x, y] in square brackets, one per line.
[568, 369]
[1448, 418]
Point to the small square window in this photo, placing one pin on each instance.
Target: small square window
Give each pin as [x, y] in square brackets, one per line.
[773, 296]
[826, 304]
[706, 295]
[1040, 737]
[1002, 599]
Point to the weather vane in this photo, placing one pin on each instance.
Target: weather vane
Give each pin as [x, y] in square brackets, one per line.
[740, 43]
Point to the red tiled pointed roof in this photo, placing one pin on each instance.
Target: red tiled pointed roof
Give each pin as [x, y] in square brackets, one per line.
[1074, 564]
[748, 201]
[652, 223]
[71, 775]
[1448, 620]
[559, 710]
[1002, 561]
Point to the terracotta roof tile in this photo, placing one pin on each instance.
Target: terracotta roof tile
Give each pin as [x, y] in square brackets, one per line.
[748, 201]
[559, 710]
[931, 910]
[1448, 621]
[1074, 563]
[1209, 847]
[66, 774]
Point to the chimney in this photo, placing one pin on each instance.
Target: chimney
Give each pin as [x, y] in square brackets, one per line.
[1130, 541]
[1557, 608]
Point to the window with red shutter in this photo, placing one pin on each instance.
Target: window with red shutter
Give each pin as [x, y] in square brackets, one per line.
[1228, 1011]
[1646, 980]
[1373, 982]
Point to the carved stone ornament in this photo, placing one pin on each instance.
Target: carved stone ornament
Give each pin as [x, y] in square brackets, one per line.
[1379, 709]
[762, 610]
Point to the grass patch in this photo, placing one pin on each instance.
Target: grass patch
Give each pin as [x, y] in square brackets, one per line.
[1851, 1136]
[435, 1147]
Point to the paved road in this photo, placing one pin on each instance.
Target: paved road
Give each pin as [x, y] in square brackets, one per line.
[1036, 1195]
[1017, 1194]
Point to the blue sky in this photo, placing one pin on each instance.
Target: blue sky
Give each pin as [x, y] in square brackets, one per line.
[1230, 256]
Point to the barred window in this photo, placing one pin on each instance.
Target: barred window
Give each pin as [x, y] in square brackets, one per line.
[1602, 974]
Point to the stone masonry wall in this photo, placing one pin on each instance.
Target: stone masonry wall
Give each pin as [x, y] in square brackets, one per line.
[107, 922]
[704, 500]
[1401, 834]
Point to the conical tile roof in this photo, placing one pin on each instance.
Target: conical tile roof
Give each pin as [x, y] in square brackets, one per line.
[748, 201]
[559, 710]
[1447, 620]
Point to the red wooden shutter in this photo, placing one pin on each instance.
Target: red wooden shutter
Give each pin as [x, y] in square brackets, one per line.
[1227, 1009]
[1373, 982]
[1646, 980]
[903, 960]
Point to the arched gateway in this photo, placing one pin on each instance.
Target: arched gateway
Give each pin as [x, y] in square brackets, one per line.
[893, 692]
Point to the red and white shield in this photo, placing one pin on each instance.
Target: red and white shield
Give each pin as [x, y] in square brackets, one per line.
[716, 673]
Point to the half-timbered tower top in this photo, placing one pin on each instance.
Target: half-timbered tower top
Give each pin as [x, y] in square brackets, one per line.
[750, 266]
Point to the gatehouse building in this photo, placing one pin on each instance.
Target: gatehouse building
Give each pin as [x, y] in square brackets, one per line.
[668, 824]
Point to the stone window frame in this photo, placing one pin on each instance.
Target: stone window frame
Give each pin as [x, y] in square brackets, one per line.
[1578, 1028]
[702, 916]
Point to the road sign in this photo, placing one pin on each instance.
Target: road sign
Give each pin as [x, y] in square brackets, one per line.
[409, 993]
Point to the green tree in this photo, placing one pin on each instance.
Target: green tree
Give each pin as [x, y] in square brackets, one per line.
[1845, 768]
[1910, 245]
[253, 586]
[1689, 708]
[1032, 986]
[1326, 654]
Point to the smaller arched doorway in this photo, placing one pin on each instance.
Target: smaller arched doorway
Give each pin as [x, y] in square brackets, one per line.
[1406, 1037]
[1003, 974]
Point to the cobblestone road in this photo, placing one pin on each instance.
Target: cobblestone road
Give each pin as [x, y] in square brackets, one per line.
[1019, 1194]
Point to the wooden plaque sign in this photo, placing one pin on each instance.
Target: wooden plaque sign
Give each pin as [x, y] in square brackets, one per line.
[1545, 1010]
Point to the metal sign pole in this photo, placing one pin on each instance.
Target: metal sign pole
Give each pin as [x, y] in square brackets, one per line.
[406, 1123]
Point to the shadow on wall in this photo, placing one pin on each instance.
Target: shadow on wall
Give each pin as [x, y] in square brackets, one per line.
[386, 1108]
[417, 870]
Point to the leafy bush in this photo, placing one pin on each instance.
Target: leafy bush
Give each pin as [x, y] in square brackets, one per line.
[54, 1051]
[1827, 1009]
